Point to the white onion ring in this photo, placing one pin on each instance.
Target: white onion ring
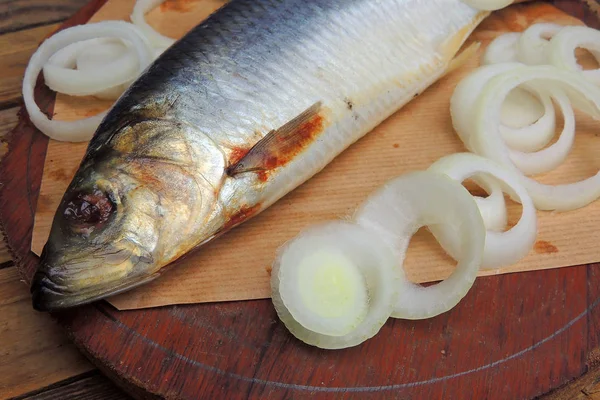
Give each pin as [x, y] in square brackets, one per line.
[464, 98]
[488, 142]
[399, 208]
[101, 65]
[534, 136]
[501, 248]
[80, 130]
[528, 138]
[502, 49]
[532, 46]
[547, 159]
[563, 45]
[138, 18]
[375, 261]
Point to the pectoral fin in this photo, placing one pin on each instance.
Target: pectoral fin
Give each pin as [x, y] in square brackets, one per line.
[281, 145]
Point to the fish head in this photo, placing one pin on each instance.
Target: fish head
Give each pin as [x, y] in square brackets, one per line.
[100, 241]
[126, 214]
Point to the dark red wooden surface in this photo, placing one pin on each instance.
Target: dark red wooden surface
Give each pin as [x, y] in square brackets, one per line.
[512, 337]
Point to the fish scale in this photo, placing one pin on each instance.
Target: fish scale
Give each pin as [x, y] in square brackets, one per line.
[248, 105]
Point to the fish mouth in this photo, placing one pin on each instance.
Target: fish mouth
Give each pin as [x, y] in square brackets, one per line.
[44, 291]
[48, 296]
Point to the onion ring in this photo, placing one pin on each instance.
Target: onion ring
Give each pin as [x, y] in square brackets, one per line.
[374, 262]
[501, 248]
[425, 198]
[546, 160]
[91, 78]
[138, 18]
[80, 130]
[488, 142]
[524, 129]
[533, 45]
[502, 49]
[562, 50]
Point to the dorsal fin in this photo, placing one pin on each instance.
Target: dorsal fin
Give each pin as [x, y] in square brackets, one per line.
[280, 145]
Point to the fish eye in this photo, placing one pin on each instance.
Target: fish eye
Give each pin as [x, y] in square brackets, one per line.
[88, 208]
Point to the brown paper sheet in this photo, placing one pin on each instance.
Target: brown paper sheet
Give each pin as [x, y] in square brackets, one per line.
[236, 266]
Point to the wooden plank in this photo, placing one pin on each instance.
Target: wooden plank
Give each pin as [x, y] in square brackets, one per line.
[37, 353]
[23, 14]
[8, 120]
[92, 386]
[15, 50]
[34, 351]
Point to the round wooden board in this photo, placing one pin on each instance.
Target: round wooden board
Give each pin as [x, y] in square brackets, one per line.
[513, 336]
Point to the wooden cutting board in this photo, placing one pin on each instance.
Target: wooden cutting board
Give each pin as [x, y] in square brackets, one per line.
[513, 336]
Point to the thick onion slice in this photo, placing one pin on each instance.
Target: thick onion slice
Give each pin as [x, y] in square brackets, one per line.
[425, 198]
[334, 285]
[487, 141]
[533, 45]
[562, 49]
[80, 130]
[138, 18]
[501, 248]
[502, 49]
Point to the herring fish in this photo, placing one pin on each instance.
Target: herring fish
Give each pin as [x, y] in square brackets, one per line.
[248, 105]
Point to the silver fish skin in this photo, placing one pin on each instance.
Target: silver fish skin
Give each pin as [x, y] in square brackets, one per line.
[248, 105]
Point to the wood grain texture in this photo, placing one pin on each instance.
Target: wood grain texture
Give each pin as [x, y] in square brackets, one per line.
[23, 14]
[585, 388]
[89, 386]
[586, 10]
[239, 350]
[34, 351]
[25, 139]
[8, 119]
[493, 345]
[15, 50]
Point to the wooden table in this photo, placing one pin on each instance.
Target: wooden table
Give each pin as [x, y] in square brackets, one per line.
[36, 359]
